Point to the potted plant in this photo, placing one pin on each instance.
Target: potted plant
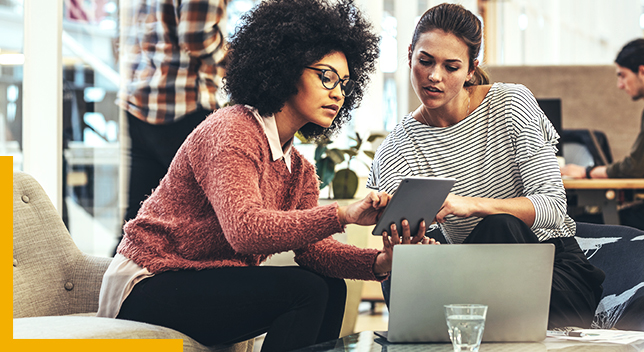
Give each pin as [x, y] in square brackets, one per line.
[344, 182]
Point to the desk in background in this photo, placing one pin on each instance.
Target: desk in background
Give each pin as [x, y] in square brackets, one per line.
[605, 193]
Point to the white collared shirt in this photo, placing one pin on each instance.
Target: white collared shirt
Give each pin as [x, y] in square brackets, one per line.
[270, 129]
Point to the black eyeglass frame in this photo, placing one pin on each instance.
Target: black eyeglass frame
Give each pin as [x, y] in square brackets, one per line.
[342, 81]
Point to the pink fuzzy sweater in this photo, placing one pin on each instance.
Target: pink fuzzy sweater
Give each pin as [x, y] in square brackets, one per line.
[225, 202]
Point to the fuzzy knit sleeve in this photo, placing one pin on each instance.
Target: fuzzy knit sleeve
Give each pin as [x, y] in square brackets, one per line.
[329, 256]
[230, 159]
[334, 259]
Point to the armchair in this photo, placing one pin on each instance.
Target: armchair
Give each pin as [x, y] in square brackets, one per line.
[56, 286]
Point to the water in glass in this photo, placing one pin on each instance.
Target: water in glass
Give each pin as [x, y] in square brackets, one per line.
[466, 331]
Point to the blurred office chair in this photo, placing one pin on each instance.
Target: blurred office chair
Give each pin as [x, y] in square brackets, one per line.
[585, 147]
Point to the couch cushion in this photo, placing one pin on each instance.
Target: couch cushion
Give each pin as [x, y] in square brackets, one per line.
[86, 327]
[617, 250]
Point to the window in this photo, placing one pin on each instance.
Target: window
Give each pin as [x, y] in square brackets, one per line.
[11, 60]
[91, 154]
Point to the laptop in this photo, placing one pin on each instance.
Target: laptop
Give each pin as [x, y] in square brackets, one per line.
[514, 280]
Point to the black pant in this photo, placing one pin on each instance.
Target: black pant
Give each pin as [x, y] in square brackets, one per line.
[296, 307]
[576, 284]
[152, 148]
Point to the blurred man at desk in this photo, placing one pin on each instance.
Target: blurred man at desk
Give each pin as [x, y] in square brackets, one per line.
[630, 78]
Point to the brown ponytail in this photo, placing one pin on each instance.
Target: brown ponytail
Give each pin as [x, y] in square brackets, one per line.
[479, 78]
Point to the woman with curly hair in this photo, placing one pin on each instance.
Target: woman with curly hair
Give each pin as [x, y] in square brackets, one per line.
[237, 191]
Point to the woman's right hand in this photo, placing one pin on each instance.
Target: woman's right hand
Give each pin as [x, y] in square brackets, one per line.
[365, 211]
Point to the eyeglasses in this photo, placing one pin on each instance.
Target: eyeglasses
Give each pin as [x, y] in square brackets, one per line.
[330, 80]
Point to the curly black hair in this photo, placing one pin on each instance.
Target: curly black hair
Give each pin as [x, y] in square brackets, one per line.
[277, 39]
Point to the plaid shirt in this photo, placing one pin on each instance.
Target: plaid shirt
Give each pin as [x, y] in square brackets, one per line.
[174, 58]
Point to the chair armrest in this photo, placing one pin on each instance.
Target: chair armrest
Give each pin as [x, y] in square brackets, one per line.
[87, 278]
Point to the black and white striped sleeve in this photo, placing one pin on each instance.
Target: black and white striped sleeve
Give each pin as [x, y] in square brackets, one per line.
[535, 154]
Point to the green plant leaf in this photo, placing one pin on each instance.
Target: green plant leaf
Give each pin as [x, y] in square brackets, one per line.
[369, 153]
[350, 152]
[345, 184]
[325, 169]
[327, 158]
[375, 136]
[358, 141]
[336, 155]
[319, 151]
[302, 138]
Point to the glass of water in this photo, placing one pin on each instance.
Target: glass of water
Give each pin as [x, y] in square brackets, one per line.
[465, 323]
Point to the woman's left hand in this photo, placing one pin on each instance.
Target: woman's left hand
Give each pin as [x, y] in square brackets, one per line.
[463, 207]
[382, 266]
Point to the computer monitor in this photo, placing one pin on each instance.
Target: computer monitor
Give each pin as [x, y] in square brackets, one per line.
[552, 108]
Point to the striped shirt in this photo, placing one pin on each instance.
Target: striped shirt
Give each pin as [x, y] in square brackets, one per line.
[504, 149]
[173, 56]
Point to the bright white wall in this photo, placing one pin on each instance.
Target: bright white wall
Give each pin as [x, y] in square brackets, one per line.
[571, 32]
[368, 117]
[42, 95]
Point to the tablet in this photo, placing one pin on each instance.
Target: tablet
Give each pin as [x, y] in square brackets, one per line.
[417, 198]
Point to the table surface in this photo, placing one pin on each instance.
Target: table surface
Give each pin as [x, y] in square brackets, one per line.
[610, 183]
[367, 341]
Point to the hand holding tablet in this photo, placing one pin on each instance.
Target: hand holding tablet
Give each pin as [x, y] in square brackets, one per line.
[417, 198]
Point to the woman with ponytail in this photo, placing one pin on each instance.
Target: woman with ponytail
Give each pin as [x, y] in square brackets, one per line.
[498, 144]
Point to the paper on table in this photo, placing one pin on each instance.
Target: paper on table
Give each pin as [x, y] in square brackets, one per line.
[622, 337]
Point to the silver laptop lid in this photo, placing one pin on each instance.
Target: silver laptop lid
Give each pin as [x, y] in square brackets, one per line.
[514, 280]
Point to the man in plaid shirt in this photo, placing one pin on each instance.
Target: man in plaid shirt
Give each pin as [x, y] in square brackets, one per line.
[174, 55]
